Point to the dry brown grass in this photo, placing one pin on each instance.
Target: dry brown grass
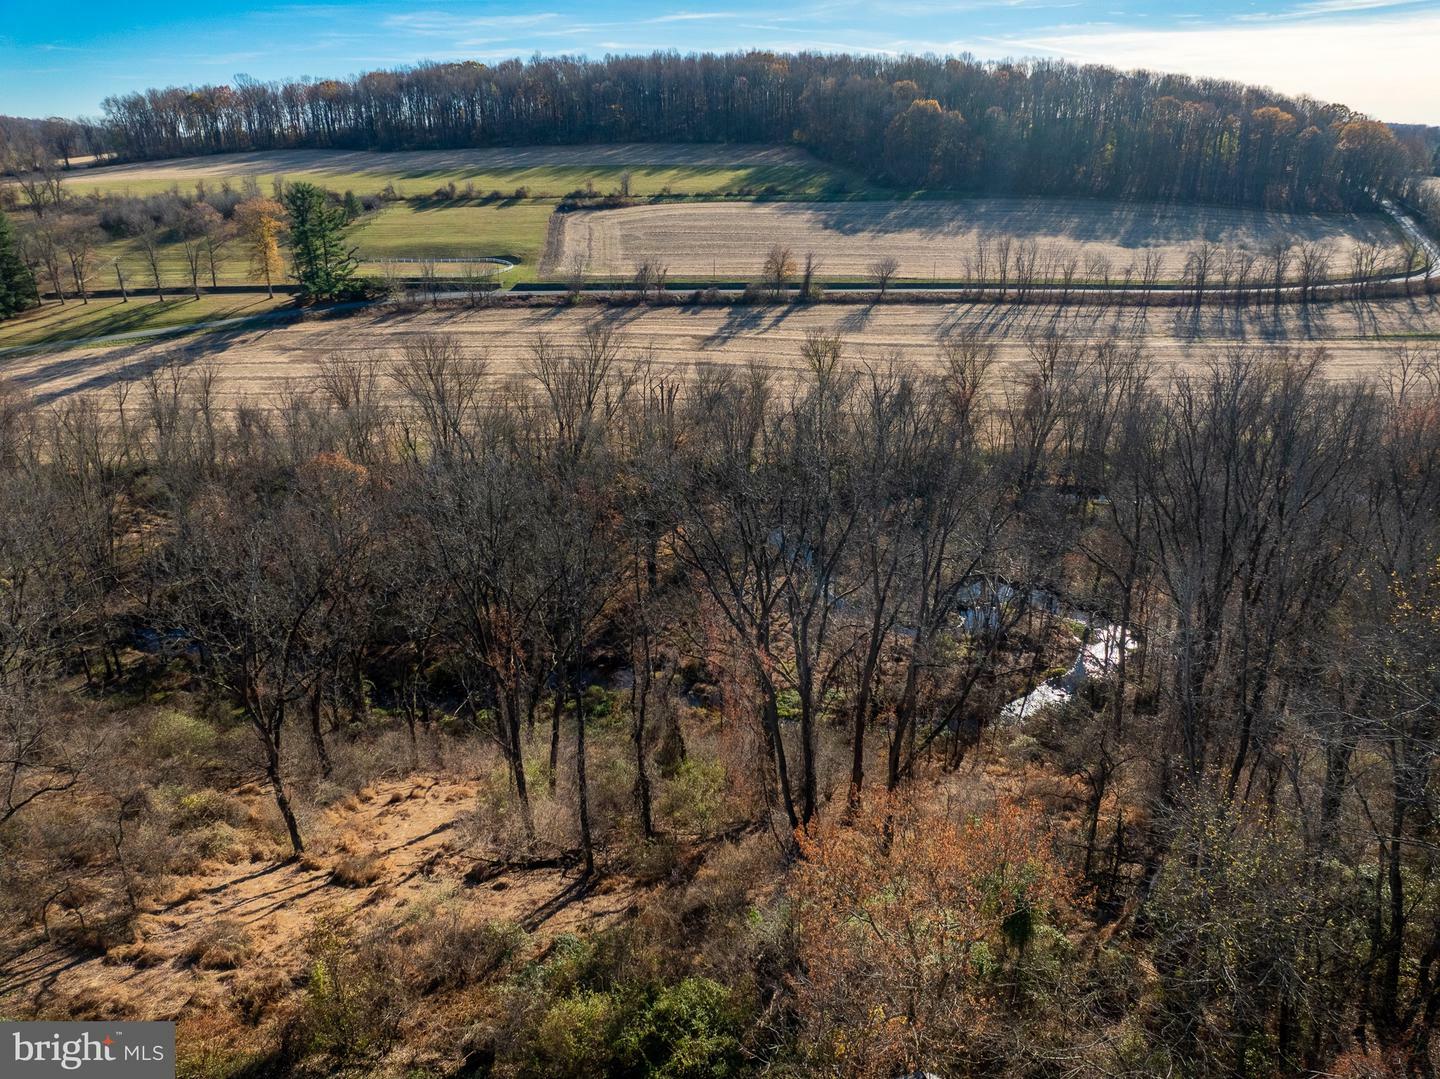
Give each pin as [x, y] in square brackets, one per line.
[258, 917]
[223, 945]
[357, 871]
[931, 238]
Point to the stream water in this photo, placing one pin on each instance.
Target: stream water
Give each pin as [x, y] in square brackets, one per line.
[1097, 656]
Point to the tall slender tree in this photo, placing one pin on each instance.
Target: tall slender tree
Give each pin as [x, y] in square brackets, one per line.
[17, 284]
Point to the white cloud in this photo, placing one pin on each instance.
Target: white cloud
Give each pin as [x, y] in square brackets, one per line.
[1384, 66]
[443, 23]
[1329, 7]
[692, 16]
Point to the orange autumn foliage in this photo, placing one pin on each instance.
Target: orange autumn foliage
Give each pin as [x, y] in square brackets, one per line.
[910, 922]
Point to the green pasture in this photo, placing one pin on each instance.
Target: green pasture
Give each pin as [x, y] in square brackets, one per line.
[53, 322]
[541, 181]
[514, 229]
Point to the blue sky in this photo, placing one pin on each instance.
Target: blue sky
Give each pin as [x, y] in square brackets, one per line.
[1381, 56]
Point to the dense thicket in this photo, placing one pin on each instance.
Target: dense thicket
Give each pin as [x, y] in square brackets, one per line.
[854, 572]
[1040, 127]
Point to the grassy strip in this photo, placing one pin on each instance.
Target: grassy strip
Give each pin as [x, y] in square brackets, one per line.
[53, 323]
[548, 181]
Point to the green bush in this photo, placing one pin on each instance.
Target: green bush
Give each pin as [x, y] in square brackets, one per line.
[174, 735]
[694, 800]
[599, 704]
[690, 1031]
[353, 1002]
[200, 808]
[575, 1037]
[787, 704]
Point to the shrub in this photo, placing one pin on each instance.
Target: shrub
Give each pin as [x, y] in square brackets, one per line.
[599, 704]
[222, 945]
[575, 1036]
[356, 871]
[353, 1001]
[496, 821]
[694, 800]
[722, 887]
[448, 948]
[198, 809]
[207, 1048]
[256, 994]
[909, 925]
[654, 861]
[690, 1031]
[173, 735]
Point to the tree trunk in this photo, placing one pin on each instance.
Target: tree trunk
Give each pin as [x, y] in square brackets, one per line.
[862, 713]
[561, 690]
[582, 788]
[317, 735]
[271, 743]
[517, 763]
[771, 717]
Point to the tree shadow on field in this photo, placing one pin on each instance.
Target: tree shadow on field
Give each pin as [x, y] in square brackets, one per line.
[618, 317]
[990, 318]
[783, 315]
[739, 318]
[1366, 317]
[1129, 225]
[106, 373]
[1131, 323]
[857, 319]
[544, 316]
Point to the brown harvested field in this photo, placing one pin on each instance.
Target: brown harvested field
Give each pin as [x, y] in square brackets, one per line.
[929, 238]
[258, 365]
[423, 162]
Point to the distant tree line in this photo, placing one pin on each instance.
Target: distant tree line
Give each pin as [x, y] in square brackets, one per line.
[28, 145]
[1422, 141]
[60, 242]
[1040, 127]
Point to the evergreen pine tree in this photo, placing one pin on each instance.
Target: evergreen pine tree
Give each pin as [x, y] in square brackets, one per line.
[323, 265]
[17, 284]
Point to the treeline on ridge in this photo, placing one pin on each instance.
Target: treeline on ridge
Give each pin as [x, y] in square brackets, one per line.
[1039, 127]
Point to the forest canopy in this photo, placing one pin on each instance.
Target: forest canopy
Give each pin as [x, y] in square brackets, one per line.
[1037, 127]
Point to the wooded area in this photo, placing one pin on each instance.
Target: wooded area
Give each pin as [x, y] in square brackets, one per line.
[1037, 127]
[828, 591]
